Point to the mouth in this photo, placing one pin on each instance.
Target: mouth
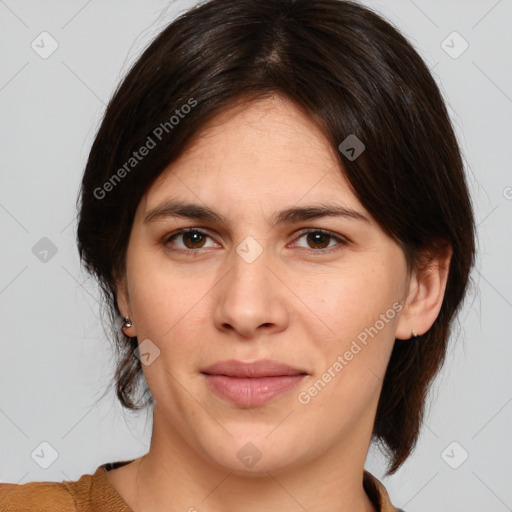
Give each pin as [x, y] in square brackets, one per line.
[251, 384]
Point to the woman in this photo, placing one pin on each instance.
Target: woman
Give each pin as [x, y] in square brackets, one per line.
[276, 210]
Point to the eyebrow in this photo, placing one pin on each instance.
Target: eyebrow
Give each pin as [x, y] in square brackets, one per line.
[289, 215]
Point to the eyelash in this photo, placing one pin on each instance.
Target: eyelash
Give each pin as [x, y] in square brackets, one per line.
[341, 240]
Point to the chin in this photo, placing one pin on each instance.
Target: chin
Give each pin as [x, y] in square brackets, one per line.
[255, 456]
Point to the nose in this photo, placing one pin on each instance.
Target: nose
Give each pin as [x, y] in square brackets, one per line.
[250, 299]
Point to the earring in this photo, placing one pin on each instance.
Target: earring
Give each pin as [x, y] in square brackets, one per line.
[127, 323]
[414, 334]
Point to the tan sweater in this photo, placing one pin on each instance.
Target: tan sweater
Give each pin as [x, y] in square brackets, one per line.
[95, 493]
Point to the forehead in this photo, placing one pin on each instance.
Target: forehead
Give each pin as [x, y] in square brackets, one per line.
[256, 154]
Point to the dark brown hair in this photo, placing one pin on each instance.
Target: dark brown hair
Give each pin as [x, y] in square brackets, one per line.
[352, 73]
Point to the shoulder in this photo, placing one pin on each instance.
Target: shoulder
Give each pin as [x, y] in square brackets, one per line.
[89, 492]
[44, 496]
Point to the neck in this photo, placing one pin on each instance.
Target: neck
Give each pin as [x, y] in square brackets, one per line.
[333, 481]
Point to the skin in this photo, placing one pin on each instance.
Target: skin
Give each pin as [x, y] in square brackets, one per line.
[293, 304]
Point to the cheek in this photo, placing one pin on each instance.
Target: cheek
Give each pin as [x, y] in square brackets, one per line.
[164, 302]
[359, 315]
[349, 302]
[358, 312]
[169, 309]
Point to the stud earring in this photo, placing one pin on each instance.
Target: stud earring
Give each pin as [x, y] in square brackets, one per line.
[414, 334]
[127, 323]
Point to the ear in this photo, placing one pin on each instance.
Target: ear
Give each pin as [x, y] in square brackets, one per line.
[426, 288]
[123, 304]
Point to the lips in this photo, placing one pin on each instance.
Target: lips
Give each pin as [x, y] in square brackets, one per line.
[256, 369]
[251, 384]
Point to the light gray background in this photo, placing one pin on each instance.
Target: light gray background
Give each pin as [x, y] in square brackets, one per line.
[55, 360]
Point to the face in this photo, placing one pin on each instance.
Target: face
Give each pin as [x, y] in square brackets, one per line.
[279, 265]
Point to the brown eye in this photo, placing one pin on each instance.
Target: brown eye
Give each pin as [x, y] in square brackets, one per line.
[318, 240]
[193, 239]
[188, 240]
